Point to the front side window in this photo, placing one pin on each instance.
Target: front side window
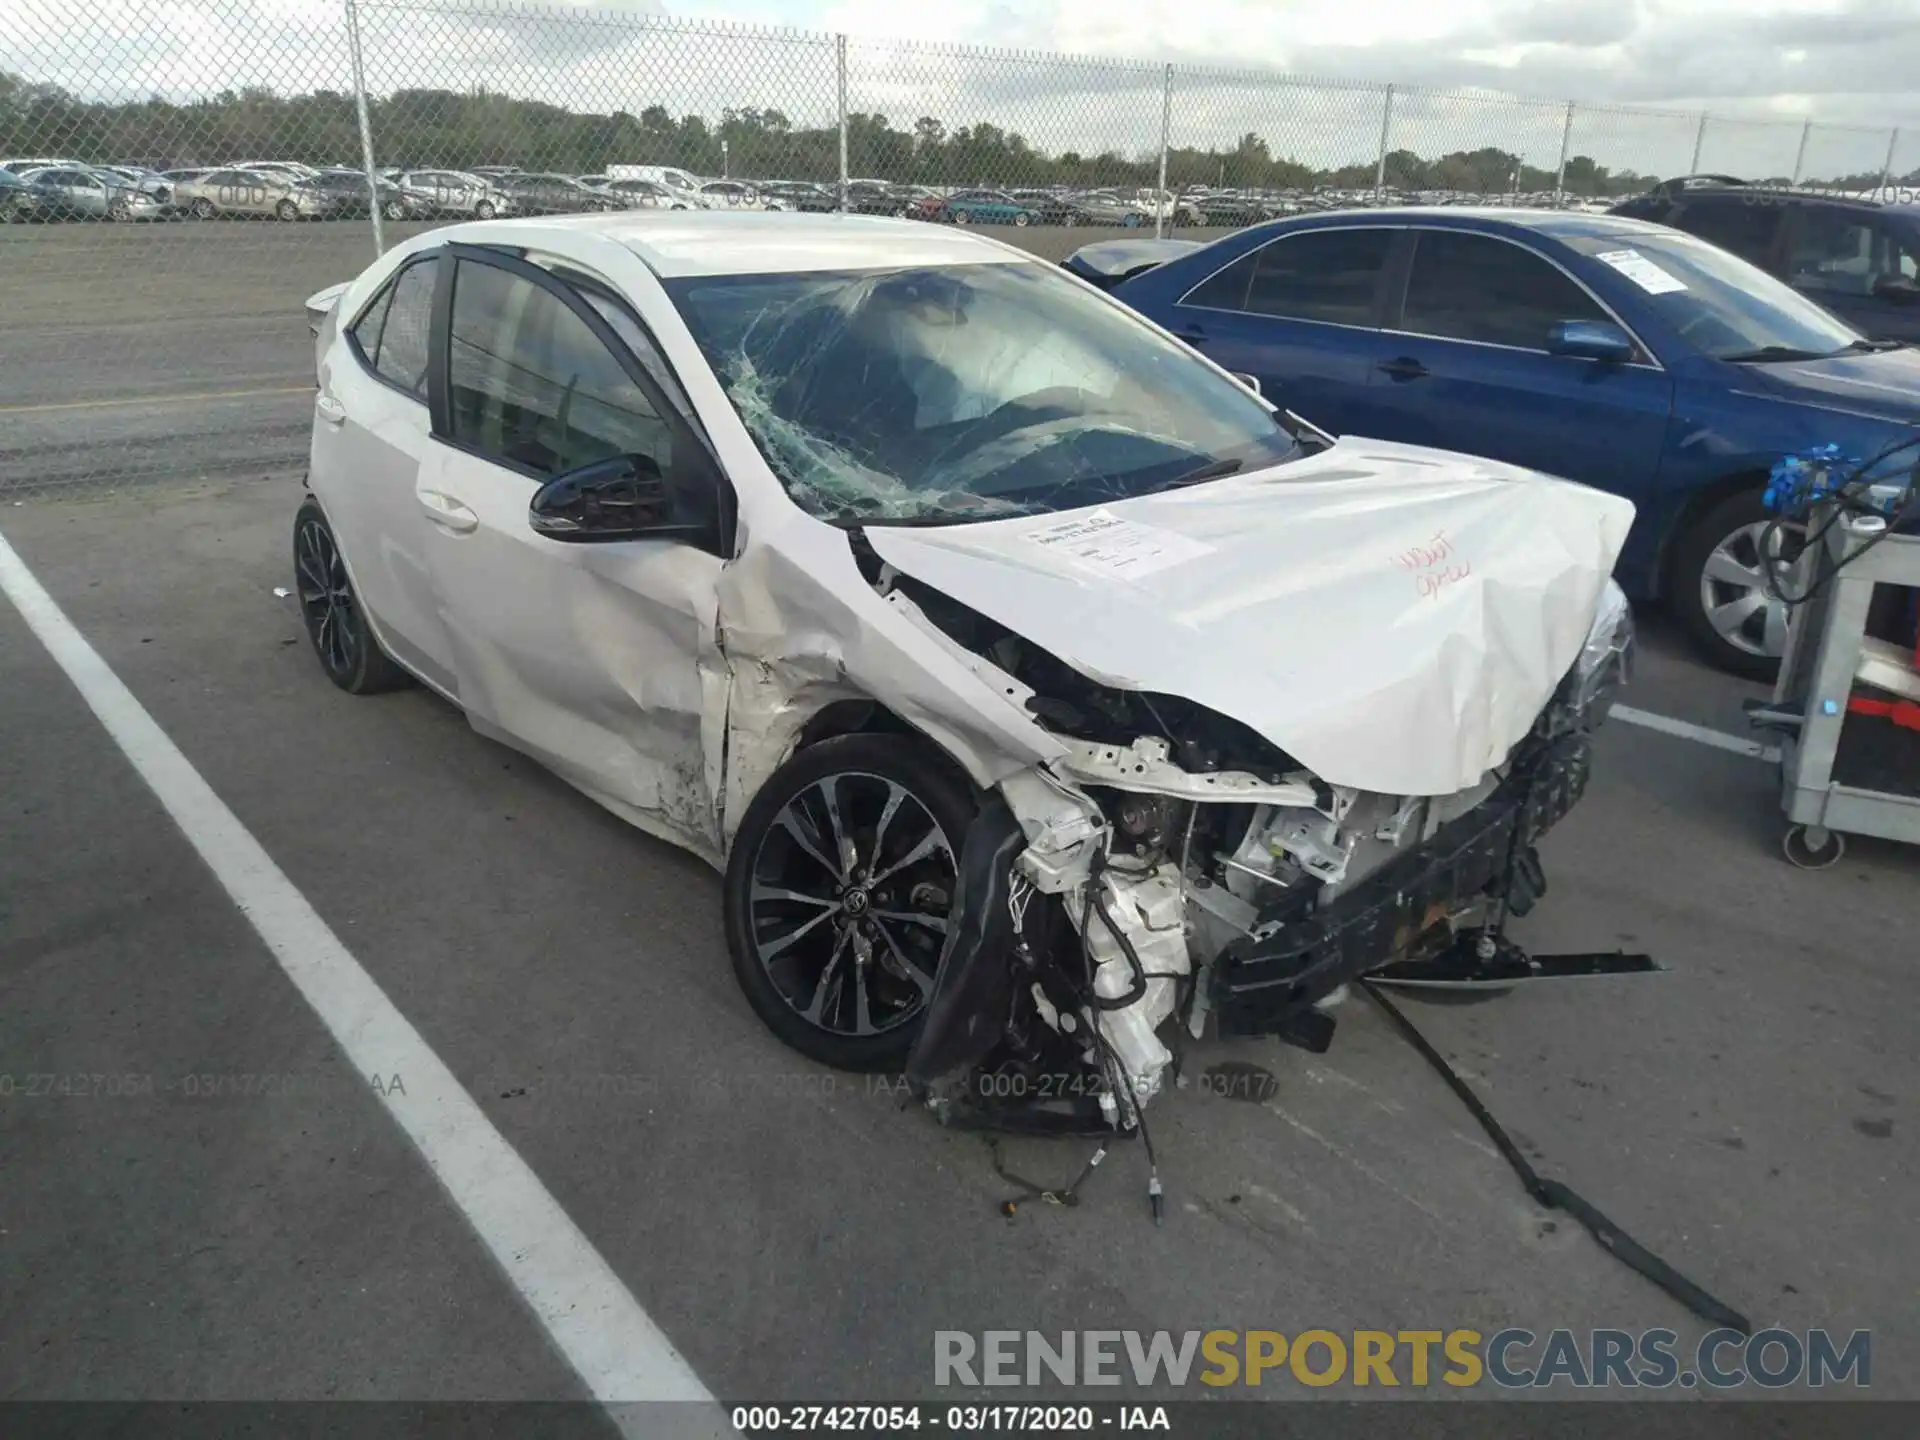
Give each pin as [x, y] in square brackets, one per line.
[942, 394]
[531, 385]
[1474, 287]
[1719, 304]
[392, 335]
[1834, 252]
[1325, 275]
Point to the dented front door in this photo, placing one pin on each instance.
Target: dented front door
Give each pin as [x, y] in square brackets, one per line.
[596, 658]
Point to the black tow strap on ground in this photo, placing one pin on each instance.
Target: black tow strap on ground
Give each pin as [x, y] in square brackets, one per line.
[1556, 1196]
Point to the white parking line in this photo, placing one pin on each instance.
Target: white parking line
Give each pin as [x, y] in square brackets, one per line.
[591, 1316]
[1699, 734]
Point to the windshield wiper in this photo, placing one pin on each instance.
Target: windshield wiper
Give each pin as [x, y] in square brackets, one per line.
[1212, 470]
[1874, 346]
[1774, 352]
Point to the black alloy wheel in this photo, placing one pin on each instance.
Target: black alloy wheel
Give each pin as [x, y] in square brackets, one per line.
[838, 890]
[336, 625]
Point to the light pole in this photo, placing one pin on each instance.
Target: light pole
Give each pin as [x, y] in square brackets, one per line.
[726, 172]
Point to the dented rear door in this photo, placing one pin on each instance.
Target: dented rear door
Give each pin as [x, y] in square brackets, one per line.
[599, 659]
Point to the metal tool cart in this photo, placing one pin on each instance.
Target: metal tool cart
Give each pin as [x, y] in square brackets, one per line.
[1847, 705]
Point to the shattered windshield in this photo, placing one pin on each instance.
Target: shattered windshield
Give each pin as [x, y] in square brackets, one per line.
[929, 396]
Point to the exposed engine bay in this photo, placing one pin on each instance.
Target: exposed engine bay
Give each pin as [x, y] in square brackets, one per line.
[1176, 865]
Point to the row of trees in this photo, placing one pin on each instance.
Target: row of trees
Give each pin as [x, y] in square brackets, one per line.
[461, 129]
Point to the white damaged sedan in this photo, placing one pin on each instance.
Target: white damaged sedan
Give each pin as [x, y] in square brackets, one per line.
[1036, 684]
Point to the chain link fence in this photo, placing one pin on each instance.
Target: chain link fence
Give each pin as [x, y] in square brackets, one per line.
[184, 172]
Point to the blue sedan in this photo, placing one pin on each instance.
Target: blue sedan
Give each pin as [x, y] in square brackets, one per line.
[1611, 351]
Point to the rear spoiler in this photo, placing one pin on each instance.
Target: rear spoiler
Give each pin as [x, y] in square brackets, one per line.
[320, 305]
[1106, 263]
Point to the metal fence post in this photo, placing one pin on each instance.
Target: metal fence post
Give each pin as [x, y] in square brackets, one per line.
[1386, 134]
[1699, 140]
[1886, 170]
[1800, 155]
[366, 129]
[840, 55]
[1166, 126]
[1566, 140]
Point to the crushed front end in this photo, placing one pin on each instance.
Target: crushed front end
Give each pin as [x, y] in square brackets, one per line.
[1175, 865]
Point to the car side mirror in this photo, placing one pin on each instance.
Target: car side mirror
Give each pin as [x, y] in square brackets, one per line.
[623, 498]
[1252, 382]
[1600, 340]
[1900, 289]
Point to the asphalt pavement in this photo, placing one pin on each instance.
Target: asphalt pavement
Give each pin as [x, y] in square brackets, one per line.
[192, 1233]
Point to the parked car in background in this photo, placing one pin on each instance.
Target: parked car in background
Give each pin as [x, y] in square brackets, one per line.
[150, 182]
[1623, 354]
[645, 195]
[874, 197]
[1231, 207]
[803, 195]
[683, 185]
[257, 194]
[17, 200]
[396, 201]
[73, 193]
[1109, 207]
[459, 192]
[1860, 258]
[550, 194]
[738, 195]
[1049, 208]
[292, 169]
[985, 207]
[50, 162]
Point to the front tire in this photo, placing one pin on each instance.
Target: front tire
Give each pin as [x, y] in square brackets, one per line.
[202, 209]
[1022, 218]
[484, 210]
[394, 210]
[962, 217]
[1718, 588]
[838, 889]
[335, 621]
[286, 211]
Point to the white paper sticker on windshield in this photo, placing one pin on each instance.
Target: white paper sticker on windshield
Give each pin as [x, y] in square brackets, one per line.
[1121, 548]
[1642, 271]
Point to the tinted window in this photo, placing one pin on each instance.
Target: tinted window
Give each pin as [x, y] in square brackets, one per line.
[1327, 275]
[1835, 252]
[1738, 225]
[1225, 289]
[1473, 287]
[393, 334]
[531, 385]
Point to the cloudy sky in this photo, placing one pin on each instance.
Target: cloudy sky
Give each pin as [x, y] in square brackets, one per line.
[1852, 65]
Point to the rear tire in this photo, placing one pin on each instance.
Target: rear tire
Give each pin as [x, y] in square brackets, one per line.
[336, 622]
[797, 917]
[962, 217]
[1726, 611]
[1022, 218]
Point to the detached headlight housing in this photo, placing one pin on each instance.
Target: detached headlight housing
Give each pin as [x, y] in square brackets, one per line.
[1606, 659]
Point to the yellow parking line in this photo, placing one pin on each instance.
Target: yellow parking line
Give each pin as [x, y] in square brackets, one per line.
[151, 400]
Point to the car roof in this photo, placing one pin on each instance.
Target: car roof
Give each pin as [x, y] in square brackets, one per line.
[1547, 222]
[757, 242]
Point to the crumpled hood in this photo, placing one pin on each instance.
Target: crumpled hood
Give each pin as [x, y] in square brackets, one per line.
[1884, 384]
[1395, 618]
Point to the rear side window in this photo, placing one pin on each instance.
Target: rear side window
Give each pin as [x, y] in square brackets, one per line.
[1473, 287]
[1837, 252]
[1327, 275]
[1734, 224]
[392, 335]
[532, 386]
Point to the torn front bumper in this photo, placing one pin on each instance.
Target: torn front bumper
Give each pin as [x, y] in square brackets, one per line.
[1261, 983]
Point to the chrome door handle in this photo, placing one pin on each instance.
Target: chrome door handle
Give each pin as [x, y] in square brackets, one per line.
[330, 409]
[447, 512]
